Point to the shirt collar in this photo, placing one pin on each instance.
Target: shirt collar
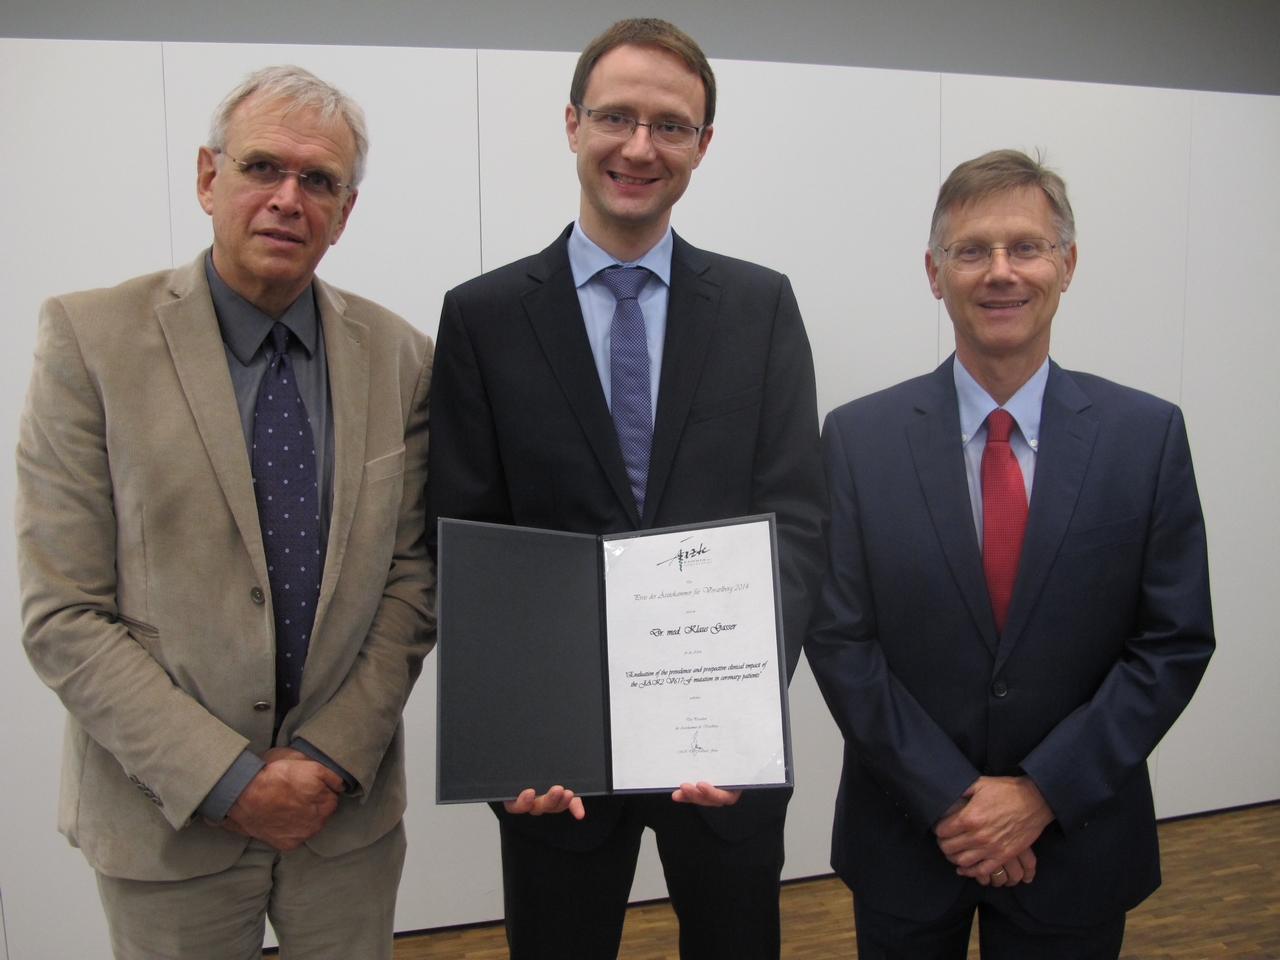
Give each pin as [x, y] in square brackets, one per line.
[1024, 406]
[244, 327]
[586, 258]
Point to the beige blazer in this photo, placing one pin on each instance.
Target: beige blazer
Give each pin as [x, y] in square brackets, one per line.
[145, 598]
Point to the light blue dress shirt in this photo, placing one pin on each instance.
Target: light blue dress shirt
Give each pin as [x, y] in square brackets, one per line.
[975, 405]
[586, 260]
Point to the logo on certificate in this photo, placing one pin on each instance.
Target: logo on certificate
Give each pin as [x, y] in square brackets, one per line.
[690, 556]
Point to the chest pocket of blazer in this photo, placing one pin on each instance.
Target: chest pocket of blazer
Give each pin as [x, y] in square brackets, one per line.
[725, 405]
[1103, 535]
[383, 467]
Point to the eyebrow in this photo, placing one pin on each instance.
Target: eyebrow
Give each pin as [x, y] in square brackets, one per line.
[253, 156]
[662, 117]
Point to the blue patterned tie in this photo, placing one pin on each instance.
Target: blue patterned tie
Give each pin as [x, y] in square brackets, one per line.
[284, 482]
[631, 400]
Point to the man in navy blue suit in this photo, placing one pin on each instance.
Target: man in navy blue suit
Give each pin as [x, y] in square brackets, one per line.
[1016, 609]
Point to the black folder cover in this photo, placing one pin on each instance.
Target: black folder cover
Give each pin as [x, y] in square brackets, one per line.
[511, 711]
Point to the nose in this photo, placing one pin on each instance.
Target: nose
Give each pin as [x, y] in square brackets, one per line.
[639, 145]
[999, 266]
[287, 197]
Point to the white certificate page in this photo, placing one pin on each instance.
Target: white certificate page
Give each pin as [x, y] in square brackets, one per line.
[694, 691]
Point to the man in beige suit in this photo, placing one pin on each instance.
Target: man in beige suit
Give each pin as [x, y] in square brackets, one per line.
[227, 759]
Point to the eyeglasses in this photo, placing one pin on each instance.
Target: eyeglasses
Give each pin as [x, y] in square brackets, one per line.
[663, 133]
[267, 174]
[969, 256]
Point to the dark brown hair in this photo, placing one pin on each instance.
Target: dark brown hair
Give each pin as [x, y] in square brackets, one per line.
[646, 32]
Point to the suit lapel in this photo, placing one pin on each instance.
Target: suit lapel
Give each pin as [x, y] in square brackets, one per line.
[347, 352]
[692, 306]
[1066, 443]
[195, 343]
[556, 317]
[938, 455]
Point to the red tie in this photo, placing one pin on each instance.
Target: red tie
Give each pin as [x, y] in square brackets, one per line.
[1004, 513]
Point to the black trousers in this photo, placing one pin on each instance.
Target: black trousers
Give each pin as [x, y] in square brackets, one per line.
[563, 904]
[1005, 932]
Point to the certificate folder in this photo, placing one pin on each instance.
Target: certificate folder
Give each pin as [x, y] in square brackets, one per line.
[530, 620]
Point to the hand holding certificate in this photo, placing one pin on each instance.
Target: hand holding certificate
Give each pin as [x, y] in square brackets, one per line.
[637, 662]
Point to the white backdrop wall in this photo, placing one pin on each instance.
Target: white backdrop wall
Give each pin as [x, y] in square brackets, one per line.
[827, 173]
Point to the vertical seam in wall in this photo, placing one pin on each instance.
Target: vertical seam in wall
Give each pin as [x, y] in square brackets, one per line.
[168, 180]
[479, 178]
[1186, 253]
[937, 325]
[4, 930]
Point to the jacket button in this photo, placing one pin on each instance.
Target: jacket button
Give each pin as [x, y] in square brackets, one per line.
[257, 595]
[262, 706]
[999, 688]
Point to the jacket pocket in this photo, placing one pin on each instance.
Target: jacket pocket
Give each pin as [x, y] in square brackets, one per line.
[138, 626]
[383, 467]
[1102, 535]
[723, 405]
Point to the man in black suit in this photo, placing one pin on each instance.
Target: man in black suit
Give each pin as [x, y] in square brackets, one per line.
[1001, 669]
[622, 380]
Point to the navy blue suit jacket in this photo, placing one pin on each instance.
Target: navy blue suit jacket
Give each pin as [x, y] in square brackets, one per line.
[1108, 633]
[521, 434]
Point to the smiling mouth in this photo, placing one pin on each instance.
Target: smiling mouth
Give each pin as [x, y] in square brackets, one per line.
[637, 181]
[1003, 304]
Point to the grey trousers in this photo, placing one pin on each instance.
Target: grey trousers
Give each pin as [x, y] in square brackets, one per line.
[321, 908]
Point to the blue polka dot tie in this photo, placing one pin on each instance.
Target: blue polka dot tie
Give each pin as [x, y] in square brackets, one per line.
[631, 398]
[284, 482]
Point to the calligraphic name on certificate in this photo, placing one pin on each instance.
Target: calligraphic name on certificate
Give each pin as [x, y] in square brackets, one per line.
[695, 691]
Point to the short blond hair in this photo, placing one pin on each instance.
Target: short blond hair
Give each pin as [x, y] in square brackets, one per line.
[996, 172]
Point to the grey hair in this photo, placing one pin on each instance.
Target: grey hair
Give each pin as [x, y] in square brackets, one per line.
[996, 172]
[301, 89]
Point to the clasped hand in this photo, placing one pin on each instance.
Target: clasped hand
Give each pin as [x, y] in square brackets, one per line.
[558, 799]
[989, 831]
[287, 802]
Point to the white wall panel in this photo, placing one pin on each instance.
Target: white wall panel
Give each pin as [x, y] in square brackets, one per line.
[828, 174]
[1123, 152]
[1225, 750]
[528, 181]
[85, 200]
[414, 232]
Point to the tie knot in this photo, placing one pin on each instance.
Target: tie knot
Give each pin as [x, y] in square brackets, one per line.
[279, 338]
[999, 426]
[624, 282]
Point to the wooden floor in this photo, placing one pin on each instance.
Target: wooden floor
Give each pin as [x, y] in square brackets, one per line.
[1221, 898]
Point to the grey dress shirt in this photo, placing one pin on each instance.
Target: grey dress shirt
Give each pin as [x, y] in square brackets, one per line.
[245, 330]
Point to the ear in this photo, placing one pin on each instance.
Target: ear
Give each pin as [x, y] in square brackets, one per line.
[703, 142]
[932, 268]
[206, 172]
[1069, 266]
[342, 217]
[571, 125]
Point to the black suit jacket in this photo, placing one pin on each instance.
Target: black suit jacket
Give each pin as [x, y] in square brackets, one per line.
[521, 434]
[1109, 630]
